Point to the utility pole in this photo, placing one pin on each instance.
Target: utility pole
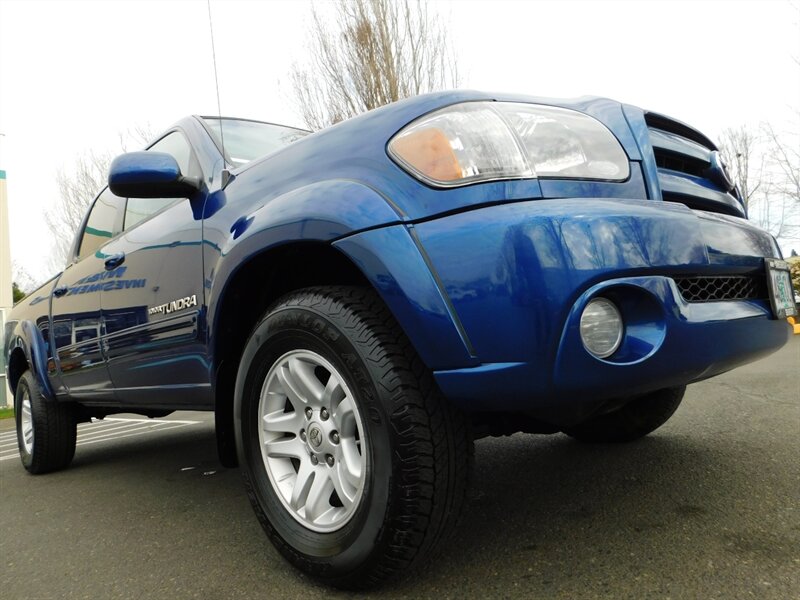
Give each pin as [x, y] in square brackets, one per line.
[6, 298]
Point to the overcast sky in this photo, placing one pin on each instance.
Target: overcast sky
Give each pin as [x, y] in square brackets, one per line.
[73, 75]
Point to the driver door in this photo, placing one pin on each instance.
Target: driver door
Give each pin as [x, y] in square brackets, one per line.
[78, 326]
[156, 355]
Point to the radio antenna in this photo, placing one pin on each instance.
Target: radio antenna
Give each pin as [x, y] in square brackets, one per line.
[225, 172]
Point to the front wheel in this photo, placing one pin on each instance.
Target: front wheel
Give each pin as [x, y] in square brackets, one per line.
[355, 464]
[634, 420]
[46, 430]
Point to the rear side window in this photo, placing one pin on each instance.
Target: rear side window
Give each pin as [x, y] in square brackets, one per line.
[100, 226]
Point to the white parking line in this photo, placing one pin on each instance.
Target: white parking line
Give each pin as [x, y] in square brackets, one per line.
[101, 427]
[165, 421]
[110, 428]
[105, 430]
[118, 431]
[178, 426]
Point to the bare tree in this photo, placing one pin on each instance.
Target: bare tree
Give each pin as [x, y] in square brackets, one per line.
[77, 187]
[782, 207]
[766, 168]
[372, 53]
[786, 157]
[22, 278]
[741, 152]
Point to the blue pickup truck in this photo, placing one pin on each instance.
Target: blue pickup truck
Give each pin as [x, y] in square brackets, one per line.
[357, 305]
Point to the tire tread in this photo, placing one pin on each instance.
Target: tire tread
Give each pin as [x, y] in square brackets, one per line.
[55, 430]
[435, 450]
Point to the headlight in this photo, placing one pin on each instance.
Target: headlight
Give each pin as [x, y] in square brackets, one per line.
[601, 327]
[484, 141]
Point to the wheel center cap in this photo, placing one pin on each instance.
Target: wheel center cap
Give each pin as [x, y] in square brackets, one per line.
[315, 436]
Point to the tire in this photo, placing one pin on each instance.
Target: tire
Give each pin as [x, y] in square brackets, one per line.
[634, 420]
[46, 430]
[404, 479]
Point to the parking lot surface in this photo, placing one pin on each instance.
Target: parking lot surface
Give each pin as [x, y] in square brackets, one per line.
[706, 507]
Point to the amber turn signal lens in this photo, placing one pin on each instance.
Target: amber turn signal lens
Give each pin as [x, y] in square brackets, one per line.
[428, 151]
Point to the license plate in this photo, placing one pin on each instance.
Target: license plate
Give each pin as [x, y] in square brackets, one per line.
[781, 294]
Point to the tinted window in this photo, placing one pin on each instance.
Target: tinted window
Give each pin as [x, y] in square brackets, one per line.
[101, 223]
[248, 140]
[175, 144]
[138, 209]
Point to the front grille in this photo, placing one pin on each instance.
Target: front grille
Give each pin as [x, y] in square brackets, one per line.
[723, 287]
[688, 168]
[680, 163]
[664, 123]
[697, 202]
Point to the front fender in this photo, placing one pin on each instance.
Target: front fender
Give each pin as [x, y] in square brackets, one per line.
[368, 229]
[397, 266]
[27, 337]
[320, 212]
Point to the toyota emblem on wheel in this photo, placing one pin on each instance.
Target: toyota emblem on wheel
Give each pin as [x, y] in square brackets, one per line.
[315, 436]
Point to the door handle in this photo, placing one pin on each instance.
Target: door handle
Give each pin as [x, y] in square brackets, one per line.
[115, 260]
[60, 291]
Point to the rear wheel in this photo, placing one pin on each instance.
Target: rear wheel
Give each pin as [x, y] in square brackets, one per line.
[634, 420]
[46, 430]
[355, 464]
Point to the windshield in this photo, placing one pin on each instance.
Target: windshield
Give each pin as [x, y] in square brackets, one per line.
[247, 140]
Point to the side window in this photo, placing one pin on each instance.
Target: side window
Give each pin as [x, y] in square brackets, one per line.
[138, 209]
[100, 227]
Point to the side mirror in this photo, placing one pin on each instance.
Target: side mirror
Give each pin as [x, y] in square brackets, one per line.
[149, 175]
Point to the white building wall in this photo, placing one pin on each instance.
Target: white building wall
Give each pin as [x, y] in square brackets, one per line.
[5, 283]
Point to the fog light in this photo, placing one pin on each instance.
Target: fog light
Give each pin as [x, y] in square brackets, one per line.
[601, 327]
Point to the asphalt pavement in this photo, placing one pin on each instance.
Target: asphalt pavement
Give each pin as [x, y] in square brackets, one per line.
[706, 507]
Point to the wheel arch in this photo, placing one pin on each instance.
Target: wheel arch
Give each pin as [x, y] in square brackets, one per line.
[28, 350]
[337, 232]
[264, 278]
[407, 288]
[17, 365]
[250, 291]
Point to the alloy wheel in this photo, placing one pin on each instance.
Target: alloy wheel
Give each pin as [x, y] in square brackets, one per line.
[26, 422]
[312, 440]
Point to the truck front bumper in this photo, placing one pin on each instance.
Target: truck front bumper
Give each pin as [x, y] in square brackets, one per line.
[519, 276]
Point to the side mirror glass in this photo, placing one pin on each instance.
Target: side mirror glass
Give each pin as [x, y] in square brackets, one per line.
[149, 175]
